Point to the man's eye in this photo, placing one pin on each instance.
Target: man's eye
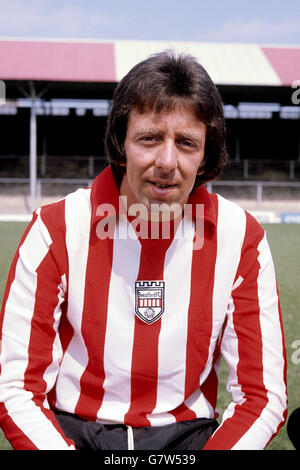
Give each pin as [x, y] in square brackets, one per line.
[148, 139]
[187, 143]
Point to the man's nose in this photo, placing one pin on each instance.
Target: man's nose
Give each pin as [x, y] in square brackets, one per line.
[167, 156]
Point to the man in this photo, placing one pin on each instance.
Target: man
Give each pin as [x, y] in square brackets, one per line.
[111, 337]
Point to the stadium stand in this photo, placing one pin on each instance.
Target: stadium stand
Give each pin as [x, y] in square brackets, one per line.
[58, 94]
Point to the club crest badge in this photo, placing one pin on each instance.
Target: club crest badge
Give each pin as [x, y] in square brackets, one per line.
[149, 300]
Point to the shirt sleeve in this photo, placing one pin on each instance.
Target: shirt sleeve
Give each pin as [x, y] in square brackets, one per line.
[30, 345]
[253, 348]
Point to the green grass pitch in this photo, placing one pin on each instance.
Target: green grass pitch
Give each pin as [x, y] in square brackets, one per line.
[285, 245]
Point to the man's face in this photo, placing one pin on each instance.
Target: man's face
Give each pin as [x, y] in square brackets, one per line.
[164, 152]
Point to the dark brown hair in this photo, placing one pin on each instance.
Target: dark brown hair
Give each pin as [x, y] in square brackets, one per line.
[160, 83]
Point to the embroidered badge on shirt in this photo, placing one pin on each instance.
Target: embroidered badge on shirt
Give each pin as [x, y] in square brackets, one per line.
[149, 300]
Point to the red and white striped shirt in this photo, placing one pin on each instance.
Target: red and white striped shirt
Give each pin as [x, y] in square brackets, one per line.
[71, 338]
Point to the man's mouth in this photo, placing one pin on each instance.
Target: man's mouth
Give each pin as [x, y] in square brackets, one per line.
[162, 184]
[161, 189]
[159, 185]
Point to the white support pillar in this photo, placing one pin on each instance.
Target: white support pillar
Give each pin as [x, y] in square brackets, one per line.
[209, 187]
[292, 169]
[259, 194]
[33, 156]
[245, 169]
[237, 149]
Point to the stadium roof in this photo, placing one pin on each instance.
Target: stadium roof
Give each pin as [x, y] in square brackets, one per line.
[90, 68]
[108, 61]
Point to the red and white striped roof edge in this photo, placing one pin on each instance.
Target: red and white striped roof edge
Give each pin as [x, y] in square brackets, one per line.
[95, 60]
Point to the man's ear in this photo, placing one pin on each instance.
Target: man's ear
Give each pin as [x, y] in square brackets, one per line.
[201, 168]
[123, 160]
